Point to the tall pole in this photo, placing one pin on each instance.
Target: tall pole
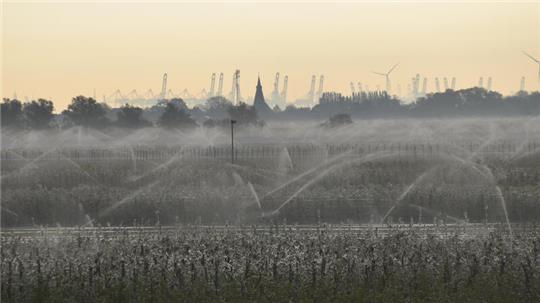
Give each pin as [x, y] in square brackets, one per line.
[232, 140]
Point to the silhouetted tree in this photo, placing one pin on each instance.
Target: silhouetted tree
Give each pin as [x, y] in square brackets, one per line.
[131, 117]
[110, 114]
[38, 113]
[12, 113]
[87, 112]
[366, 104]
[338, 120]
[178, 102]
[523, 103]
[174, 117]
[438, 104]
[217, 103]
[291, 112]
[197, 113]
[480, 101]
[471, 101]
[243, 114]
[217, 107]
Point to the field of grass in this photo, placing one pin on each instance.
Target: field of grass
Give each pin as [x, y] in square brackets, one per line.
[273, 264]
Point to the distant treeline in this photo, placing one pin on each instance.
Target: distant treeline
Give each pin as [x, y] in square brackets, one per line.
[218, 111]
[87, 112]
[467, 102]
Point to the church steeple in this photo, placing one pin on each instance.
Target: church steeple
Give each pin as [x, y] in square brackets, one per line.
[259, 103]
[258, 93]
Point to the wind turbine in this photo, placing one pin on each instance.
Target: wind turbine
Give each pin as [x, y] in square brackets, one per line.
[535, 60]
[387, 77]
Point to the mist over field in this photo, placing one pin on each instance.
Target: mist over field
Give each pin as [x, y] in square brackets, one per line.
[273, 166]
[269, 151]
[318, 205]
[446, 130]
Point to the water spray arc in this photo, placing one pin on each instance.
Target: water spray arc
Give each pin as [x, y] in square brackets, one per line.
[407, 190]
[307, 173]
[339, 164]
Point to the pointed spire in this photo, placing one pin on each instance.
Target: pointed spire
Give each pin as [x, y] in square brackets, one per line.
[259, 103]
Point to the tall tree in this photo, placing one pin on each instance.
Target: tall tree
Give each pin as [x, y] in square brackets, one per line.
[131, 117]
[243, 114]
[87, 112]
[174, 117]
[11, 113]
[178, 102]
[217, 107]
[338, 120]
[38, 113]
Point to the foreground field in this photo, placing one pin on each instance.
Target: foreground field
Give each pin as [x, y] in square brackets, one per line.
[280, 263]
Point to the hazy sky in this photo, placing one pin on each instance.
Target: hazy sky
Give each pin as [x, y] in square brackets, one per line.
[59, 50]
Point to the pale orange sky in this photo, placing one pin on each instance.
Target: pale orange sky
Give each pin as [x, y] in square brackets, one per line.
[59, 50]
